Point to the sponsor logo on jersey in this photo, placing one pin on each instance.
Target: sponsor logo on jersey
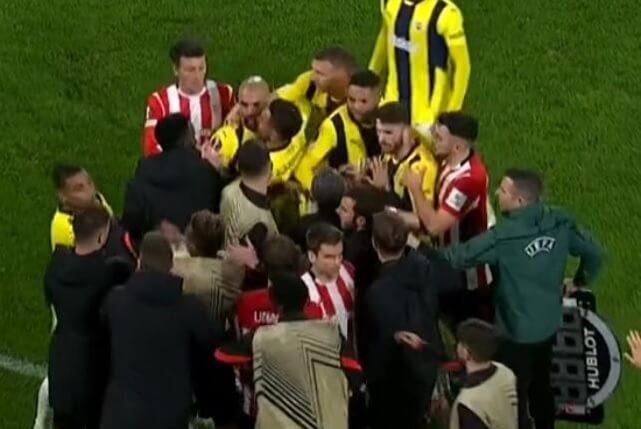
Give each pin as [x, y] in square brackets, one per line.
[403, 44]
[538, 245]
[456, 199]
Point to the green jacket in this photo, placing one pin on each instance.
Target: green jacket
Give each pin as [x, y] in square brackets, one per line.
[528, 252]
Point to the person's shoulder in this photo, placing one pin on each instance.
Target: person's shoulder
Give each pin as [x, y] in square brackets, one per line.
[558, 215]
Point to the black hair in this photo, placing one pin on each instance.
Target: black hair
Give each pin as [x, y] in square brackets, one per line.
[288, 291]
[479, 338]
[62, 172]
[365, 79]
[156, 253]
[389, 232]
[339, 57]
[393, 113]
[368, 200]
[253, 159]
[328, 187]
[322, 233]
[285, 118]
[88, 223]
[528, 183]
[460, 124]
[171, 131]
[186, 48]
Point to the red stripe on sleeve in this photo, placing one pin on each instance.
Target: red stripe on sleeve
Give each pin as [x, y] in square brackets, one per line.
[326, 301]
[184, 106]
[205, 111]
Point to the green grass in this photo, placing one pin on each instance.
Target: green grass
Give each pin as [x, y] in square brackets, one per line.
[556, 86]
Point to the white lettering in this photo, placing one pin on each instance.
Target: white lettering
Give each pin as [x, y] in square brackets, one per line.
[402, 44]
[591, 362]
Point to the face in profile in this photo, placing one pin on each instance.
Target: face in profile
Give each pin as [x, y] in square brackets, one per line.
[362, 103]
[264, 128]
[346, 213]
[442, 140]
[327, 261]
[324, 73]
[390, 136]
[191, 73]
[78, 192]
[507, 196]
[252, 101]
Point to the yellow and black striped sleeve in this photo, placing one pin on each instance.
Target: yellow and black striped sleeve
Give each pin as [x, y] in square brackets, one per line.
[318, 151]
[378, 62]
[450, 26]
[298, 89]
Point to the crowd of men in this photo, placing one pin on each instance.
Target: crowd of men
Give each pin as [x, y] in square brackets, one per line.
[284, 257]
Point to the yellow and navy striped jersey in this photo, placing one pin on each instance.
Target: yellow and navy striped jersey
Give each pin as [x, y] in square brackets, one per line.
[422, 46]
[341, 140]
[61, 233]
[313, 104]
[230, 137]
[419, 158]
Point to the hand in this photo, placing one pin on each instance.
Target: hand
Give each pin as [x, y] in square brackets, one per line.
[209, 151]
[413, 179]
[569, 287]
[233, 117]
[244, 255]
[379, 174]
[171, 232]
[634, 341]
[409, 339]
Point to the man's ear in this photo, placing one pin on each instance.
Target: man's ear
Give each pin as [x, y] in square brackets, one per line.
[311, 256]
[360, 222]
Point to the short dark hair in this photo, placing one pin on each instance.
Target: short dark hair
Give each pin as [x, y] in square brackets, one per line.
[328, 187]
[206, 232]
[322, 233]
[171, 130]
[88, 222]
[280, 253]
[389, 232]
[528, 183]
[368, 200]
[393, 113]
[187, 48]
[62, 172]
[288, 291]
[253, 158]
[365, 79]
[460, 124]
[285, 118]
[339, 57]
[156, 253]
[479, 338]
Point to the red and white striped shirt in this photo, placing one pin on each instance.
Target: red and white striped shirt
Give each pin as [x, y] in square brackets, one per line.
[462, 192]
[336, 298]
[206, 111]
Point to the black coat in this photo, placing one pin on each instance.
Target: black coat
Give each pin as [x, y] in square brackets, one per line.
[75, 286]
[154, 331]
[403, 298]
[170, 186]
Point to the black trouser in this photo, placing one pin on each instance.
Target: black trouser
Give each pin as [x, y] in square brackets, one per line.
[531, 365]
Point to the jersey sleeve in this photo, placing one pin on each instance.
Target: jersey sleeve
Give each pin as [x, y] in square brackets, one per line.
[296, 90]
[450, 26]
[429, 178]
[155, 112]
[316, 153]
[61, 232]
[463, 193]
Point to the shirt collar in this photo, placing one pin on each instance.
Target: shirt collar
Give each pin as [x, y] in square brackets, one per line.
[256, 198]
[478, 377]
[527, 213]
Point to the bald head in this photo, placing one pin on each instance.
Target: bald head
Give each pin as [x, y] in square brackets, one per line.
[253, 96]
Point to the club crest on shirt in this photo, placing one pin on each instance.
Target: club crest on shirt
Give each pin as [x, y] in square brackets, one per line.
[456, 199]
[538, 245]
[419, 26]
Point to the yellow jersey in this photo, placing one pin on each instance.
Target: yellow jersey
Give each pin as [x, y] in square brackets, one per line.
[61, 233]
[285, 160]
[230, 138]
[313, 104]
[423, 48]
[419, 158]
[341, 140]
